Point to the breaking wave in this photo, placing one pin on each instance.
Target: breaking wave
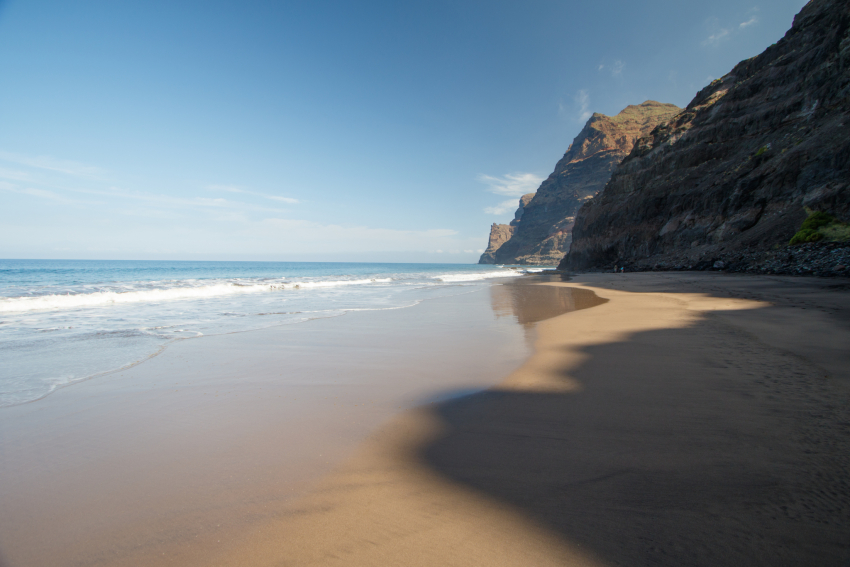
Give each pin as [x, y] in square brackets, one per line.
[100, 298]
[471, 277]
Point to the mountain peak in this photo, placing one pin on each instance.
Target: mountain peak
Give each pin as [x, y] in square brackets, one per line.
[542, 231]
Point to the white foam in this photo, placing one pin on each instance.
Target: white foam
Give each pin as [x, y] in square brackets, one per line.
[56, 302]
[471, 277]
[336, 283]
[99, 298]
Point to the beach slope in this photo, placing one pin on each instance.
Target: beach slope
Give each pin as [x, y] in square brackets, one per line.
[693, 419]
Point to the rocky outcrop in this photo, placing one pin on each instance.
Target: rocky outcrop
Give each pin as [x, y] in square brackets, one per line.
[730, 176]
[501, 233]
[523, 203]
[544, 234]
[822, 259]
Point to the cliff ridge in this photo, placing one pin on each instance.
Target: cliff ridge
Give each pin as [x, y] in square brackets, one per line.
[731, 176]
[544, 233]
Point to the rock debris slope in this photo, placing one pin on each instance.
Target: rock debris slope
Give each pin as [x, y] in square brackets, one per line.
[731, 176]
[543, 234]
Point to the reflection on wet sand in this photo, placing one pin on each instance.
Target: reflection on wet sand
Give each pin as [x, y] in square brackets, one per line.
[529, 301]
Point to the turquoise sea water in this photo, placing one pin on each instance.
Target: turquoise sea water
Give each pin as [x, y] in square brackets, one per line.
[62, 321]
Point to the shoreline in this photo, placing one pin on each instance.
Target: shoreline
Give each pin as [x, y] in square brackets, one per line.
[176, 340]
[108, 318]
[686, 420]
[215, 434]
[676, 424]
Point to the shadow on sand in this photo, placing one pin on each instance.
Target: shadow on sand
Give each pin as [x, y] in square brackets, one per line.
[681, 448]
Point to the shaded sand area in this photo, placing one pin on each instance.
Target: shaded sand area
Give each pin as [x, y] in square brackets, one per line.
[181, 459]
[693, 419]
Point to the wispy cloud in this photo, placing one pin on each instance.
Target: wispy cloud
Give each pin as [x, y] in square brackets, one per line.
[512, 184]
[14, 174]
[617, 68]
[60, 180]
[582, 100]
[67, 167]
[148, 213]
[234, 236]
[237, 189]
[167, 201]
[224, 220]
[437, 232]
[579, 109]
[722, 34]
[229, 216]
[40, 194]
[717, 37]
[502, 208]
[753, 19]
[334, 231]
[116, 194]
[748, 23]
[479, 251]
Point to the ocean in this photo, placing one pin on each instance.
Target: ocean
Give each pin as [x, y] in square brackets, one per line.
[63, 321]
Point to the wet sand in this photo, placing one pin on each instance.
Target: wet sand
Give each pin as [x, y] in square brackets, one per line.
[179, 459]
[689, 419]
[693, 419]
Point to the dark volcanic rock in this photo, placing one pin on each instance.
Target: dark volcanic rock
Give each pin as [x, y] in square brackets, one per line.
[732, 173]
[823, 259]
[523, 203]
[543, 235]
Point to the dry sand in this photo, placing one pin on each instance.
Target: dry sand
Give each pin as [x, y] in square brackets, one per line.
[694, 419]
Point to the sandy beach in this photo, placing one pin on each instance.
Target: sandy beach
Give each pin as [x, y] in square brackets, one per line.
[177, 459]
[673, 419]
[690, 420]
[425, 284]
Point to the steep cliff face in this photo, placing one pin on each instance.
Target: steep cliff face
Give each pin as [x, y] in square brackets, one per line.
[544, 234]
[730, 175]
[520, 212]
[501, 233]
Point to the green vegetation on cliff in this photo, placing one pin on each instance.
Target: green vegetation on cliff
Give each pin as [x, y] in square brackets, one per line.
[821, 226]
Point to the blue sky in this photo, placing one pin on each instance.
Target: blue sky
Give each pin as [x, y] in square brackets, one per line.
[359, 131]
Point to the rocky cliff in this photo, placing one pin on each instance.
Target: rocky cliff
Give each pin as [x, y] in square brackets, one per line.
[501, 233]
[543, 235]
[729, 178]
